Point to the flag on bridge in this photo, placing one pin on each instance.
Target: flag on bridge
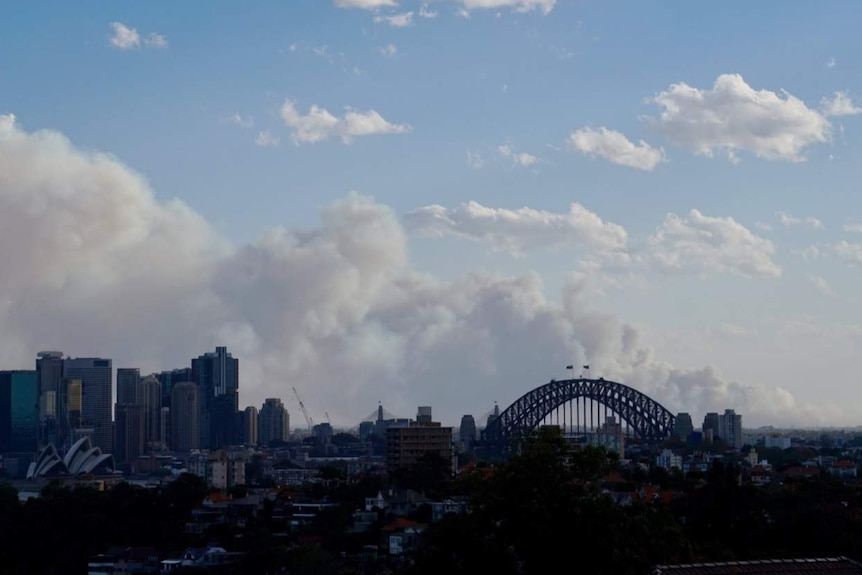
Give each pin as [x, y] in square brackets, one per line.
[570, 367]
[586, 367]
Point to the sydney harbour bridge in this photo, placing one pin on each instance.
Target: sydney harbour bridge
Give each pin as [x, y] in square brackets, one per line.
[582, 406]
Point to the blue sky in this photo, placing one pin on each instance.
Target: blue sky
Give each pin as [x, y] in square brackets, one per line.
[638, 112]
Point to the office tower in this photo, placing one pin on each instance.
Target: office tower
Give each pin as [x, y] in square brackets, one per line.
[165, 427]
[150, 397]
[730, 428]
[249, 425]
[683, 427]
[366, 430]
[130, 429]
[73, 400]
[710, 426]
[49, 373]
[273, 422]
[217, 377]
[19, 416]
[127, 385]
[96, 375]
[185, 423]
[169, 378]
[423, 414]
[467, 431]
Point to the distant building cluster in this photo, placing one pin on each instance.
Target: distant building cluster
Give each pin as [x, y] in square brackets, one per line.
[726, 427]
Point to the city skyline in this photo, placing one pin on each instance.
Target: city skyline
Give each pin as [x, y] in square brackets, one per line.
[441, 203]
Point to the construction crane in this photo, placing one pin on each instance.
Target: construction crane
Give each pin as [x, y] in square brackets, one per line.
[329, 421]
[308, 419]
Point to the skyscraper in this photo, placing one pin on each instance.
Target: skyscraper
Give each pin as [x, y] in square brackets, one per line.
[150, 397]
[217, 377]
[49, 373]
[273, 423]
[730, 428]
[710, 426]
[467, 431]
[169, 378]
[249, 425]
[130, 428]
[127, 385]
[18, 412]
[185, 424]
[96, 375]
[683, 426]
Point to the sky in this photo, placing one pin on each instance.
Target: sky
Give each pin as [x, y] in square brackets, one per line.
[441, 203]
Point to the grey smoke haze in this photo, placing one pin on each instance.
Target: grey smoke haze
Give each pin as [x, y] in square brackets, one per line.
[91, 263]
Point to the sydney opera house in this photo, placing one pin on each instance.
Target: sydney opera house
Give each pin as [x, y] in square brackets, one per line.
[81, 458]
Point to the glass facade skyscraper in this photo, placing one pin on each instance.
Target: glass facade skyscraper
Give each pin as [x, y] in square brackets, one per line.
[97, 377]
[19, 415]
[217, 377]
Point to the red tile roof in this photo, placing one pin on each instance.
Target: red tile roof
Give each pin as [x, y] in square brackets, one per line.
[825, 566]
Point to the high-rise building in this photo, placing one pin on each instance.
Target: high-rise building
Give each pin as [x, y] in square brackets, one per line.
[169, 378]
[73, 399]
[217, 377]
[130, 430]
[467, 432]
[683, 427]
[49, 373]
[423, 414]
[730, 428]
[185, 424]
[127, 385]
[150, 397]
[165, 427]
[96, 375]
[273, 422]
[19, 416]
[710, 426]
[249, 425]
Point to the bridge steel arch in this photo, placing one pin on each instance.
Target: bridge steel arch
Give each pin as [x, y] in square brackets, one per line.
[646, 417]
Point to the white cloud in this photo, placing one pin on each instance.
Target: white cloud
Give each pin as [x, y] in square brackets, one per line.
[839, 105]
[389, 50]
[426, 12]
[319, 124]
[154, 40]
[475, 161]
[852, 227]
[831, 63]
[763, 226]
[366, 4]
[820, 284]
[403, 20]
[702, 244]
[124, 38]
[733, 117]
[521, 230]
[809, 254]
[615, 147]
[522, 159]
[543, 6]
[265, 139]
[88, 251]
[789, 221]
[849, 252]
[238, 120]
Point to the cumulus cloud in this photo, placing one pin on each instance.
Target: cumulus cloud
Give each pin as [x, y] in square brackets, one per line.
[95, 264]
[852, 227]
[790, 221]
[319, 124]
[403, 20]
[126, 38]
[522, 159]
[238, 120]
[615, 147]
[475, 161]
[850, 253]
[521, 230]
[732, 117]
[703, 244]
[426, 12]
[543, 6]
[839, 105]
